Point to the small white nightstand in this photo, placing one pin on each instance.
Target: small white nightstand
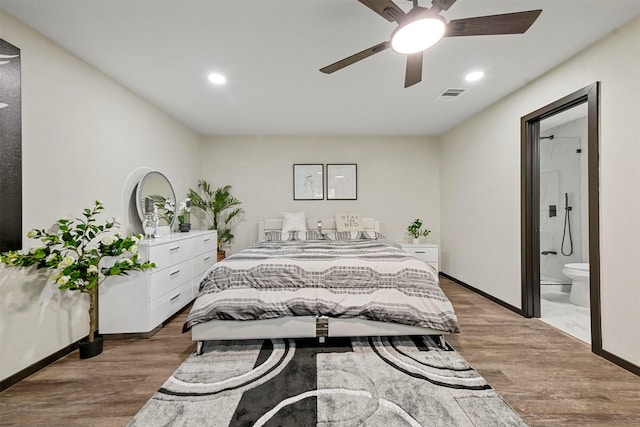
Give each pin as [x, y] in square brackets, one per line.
[425, 251]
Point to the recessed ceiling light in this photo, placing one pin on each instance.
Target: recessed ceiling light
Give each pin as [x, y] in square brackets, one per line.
[474, 76]
[217, 79]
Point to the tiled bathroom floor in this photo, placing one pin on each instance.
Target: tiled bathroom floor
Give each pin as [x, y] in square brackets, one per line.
[557, 311]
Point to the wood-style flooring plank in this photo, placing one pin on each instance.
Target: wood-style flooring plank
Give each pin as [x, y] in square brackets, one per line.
[106, 390]
[547, 376]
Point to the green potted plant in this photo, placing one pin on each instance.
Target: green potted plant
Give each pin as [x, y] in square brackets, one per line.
[415, 229]
[221, 207]
[81, 255]
[184, 215]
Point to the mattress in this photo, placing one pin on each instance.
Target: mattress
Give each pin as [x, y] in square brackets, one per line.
[365, 279]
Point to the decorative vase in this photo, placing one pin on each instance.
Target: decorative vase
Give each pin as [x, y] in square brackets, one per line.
[221, 255]
[91, 349]
[184, 227]
[149, 225]
[416, 240]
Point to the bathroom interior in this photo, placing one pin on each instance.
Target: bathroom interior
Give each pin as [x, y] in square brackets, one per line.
[564, 245]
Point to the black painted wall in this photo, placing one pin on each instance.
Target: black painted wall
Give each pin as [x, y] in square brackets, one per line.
[10, 149]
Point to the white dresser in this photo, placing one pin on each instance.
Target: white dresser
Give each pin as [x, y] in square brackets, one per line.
[425, 251]
[140, 302]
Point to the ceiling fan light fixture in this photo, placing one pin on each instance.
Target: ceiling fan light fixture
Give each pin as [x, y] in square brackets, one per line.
[418, 34]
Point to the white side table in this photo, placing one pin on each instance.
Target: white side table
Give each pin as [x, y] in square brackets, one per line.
[425, 251]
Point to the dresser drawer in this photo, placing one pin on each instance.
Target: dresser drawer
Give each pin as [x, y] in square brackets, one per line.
[170, 253]
[426, 254]
[170, 278]
[205, 243]
[146, 299]
[165, 306]
[201, 263]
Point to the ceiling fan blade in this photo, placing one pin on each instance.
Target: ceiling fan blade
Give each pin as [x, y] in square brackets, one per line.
[355, 58]
[385, 8]
[414, 69]
[442, 4]
[508, 23]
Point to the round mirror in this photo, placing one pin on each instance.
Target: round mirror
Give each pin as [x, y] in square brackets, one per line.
[154, 189]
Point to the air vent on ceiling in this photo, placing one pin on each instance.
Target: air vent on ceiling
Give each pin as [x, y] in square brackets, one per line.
[450, 94]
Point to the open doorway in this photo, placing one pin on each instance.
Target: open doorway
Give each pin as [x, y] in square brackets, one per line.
[564, 218]
[560, 192]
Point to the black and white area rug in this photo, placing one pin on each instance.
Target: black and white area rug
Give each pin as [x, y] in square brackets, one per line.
[375, 381]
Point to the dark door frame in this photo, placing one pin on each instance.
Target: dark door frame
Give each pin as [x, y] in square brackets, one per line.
[530, 203]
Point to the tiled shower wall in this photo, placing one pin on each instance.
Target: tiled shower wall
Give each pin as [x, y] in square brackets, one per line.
[563, 170]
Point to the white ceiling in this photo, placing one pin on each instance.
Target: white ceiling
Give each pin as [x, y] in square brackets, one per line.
[271, 51]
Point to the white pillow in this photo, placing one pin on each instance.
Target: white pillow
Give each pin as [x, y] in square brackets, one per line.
[293, 221]
[349, 222]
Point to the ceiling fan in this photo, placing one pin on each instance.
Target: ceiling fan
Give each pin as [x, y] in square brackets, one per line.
[422, 27]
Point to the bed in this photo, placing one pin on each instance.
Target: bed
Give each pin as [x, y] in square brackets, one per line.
[321, 283]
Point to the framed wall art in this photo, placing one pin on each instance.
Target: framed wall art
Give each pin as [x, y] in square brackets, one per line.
[308, 182]
[342, 181]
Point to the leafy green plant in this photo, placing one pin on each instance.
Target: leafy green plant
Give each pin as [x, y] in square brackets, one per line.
[82, 255]
[415, 229]
[222, 208]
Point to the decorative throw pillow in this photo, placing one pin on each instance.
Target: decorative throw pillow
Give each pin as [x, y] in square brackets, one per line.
[293, 221]
[272, 236]
[353, 235]
[277, 236]
[372, 235]
[349, 222]
[314, 235]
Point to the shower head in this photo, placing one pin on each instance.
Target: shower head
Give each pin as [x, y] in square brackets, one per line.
[547, 137]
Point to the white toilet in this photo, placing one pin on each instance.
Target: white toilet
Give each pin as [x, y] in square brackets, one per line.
[579, 273]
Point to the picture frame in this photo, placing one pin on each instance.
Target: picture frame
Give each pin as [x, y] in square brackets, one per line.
[308, 181]
[342, 181]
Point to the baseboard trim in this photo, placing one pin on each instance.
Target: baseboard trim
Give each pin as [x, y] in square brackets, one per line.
[133, 335]
[625, 364]
[44, 362]
[35, 367]
[484, 294]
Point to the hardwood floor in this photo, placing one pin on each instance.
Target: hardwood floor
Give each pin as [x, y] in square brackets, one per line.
[548, 377]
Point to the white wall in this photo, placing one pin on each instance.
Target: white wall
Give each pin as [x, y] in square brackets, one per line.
[480, 186]
[398, 178]
[85, 137]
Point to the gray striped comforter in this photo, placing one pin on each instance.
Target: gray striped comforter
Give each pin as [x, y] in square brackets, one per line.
[364, 278]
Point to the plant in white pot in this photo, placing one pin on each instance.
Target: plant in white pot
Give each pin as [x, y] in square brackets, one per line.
[184, 215]
[81, 255]
[415, 229]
